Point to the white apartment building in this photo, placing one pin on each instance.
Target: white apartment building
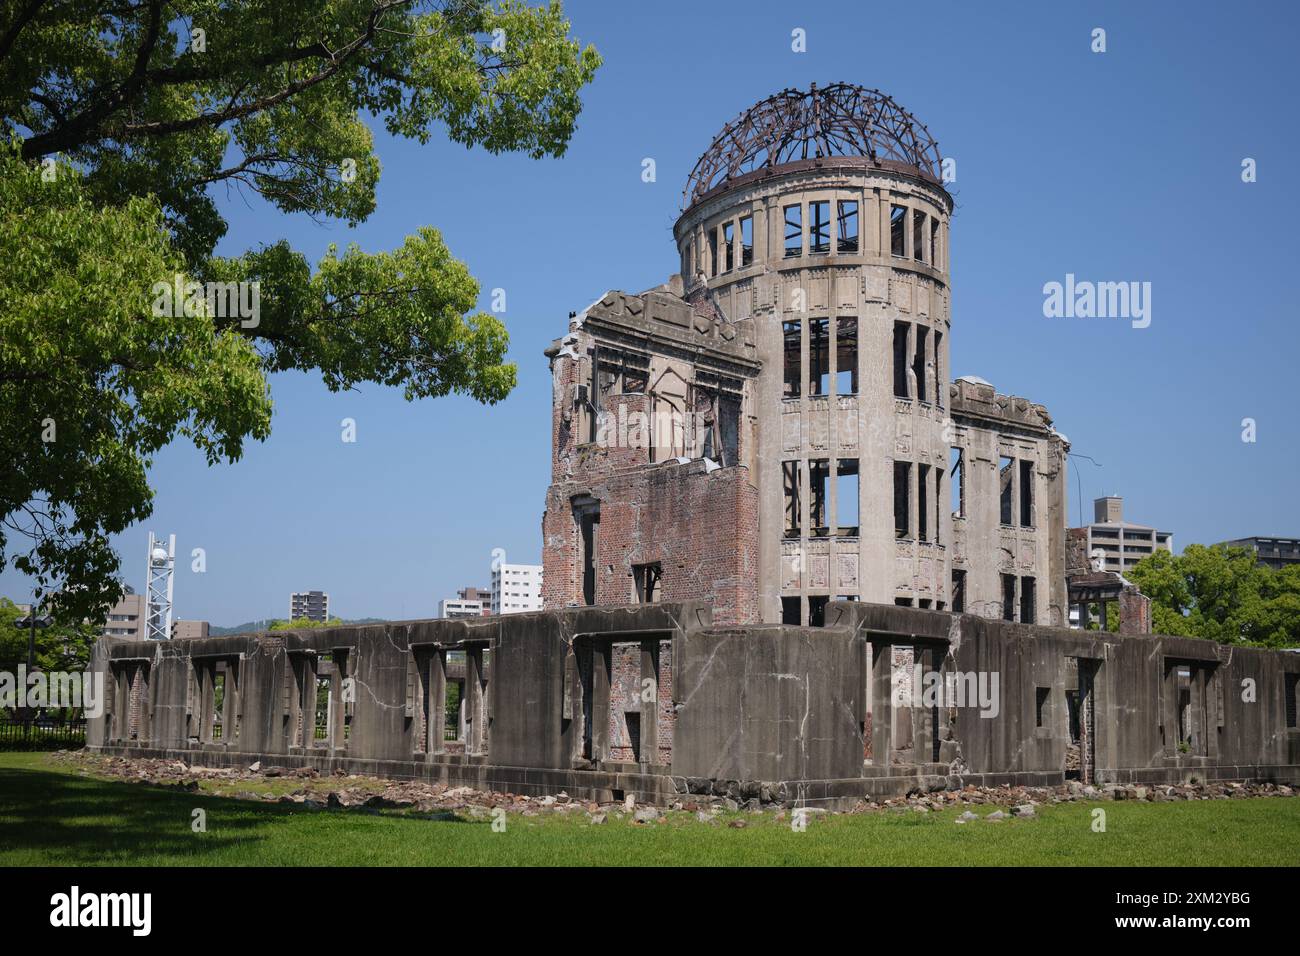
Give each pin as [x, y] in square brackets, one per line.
[516, 588]
[469, 602]
[452, 609]
[1122, 543]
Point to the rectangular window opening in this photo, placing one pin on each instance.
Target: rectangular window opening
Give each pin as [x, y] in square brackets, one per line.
[635, 375]
[728, 246]
[846, 496]
[1040, 704]
[1008, 597]
[900, 361]
[846, 356]
[819, 359]
[918, 364]
[746, 241]
[902, 497]
[1026, 494]
[790, 487]
[922, 503]
[958, 591]
[817, 609]
[793, 231]
[1028, 611]
[588, 519]
[897, 221]
[819, 227]
[321, 714]
[218, 705]
[793, 374]
[847, 231]
[713, 253]
[790, 610]
[452, 711]
[934, 242]
[918, 235]
[646, 578]
[1006, 475]
[819, 471]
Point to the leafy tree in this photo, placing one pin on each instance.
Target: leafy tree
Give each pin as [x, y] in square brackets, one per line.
[59, 647]
[122, 121]
[1222, 594]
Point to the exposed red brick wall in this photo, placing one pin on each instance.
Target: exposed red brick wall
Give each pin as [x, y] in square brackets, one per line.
[667, 713]
[702, 527]
[1134, 612]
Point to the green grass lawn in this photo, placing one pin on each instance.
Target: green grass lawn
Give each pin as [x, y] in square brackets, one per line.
[51, 814]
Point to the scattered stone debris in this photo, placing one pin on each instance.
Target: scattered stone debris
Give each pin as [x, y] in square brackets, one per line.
[434, 801]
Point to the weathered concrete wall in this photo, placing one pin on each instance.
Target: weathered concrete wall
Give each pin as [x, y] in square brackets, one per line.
[655, 700]
[1138, 733]
[770, 703]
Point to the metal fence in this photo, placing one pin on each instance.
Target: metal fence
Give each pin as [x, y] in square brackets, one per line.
[42, 733]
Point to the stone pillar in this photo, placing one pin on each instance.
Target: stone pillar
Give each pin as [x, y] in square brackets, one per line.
[472, 706]
[882, 698]
[436, 703]
[649, 708]
[600, 701]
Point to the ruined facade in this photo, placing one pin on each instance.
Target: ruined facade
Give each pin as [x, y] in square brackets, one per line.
[804, 349]
[769, 444]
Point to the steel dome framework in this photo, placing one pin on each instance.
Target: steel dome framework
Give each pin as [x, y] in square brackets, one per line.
[837, 120]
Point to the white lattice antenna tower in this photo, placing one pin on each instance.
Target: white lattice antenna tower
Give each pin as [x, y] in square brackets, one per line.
[158, 592]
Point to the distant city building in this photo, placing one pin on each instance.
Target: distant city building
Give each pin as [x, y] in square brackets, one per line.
[126, 618]
[1276, 553]
[189, 630]
[516, 588]
[469, 602]
[1122, 543]
[313, 605]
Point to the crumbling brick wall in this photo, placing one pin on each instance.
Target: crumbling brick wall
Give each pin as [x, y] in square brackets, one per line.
[700, 526]
[1134, 612]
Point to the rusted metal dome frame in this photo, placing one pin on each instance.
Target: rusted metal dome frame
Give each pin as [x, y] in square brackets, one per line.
[837, 120]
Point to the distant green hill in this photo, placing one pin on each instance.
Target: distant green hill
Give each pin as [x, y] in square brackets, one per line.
[249, 626]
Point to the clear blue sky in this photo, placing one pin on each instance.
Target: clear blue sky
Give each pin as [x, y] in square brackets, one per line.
[1116, 166]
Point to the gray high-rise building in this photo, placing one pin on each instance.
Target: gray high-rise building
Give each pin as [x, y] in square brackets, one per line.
[1276, 553]
[313, 605]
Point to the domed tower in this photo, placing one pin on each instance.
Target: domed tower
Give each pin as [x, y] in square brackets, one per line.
[821, 216]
